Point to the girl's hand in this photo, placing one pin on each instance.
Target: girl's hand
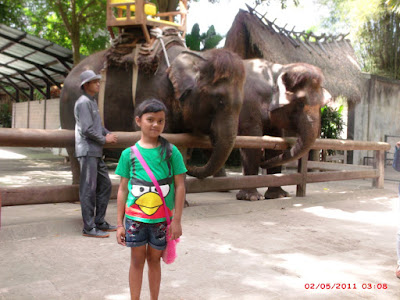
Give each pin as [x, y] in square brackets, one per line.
[175, 230]
[121, 236]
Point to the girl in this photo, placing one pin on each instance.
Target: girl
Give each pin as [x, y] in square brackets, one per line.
[139, 202]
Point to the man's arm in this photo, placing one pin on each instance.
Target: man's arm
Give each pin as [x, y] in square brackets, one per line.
[85, 117]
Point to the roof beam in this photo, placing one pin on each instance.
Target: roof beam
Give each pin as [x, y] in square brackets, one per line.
[18, 88]
[49, 77]
[35, 64]
[13, 41]
[26, 72]
[58, 57]
[6, 46]
[34, 85]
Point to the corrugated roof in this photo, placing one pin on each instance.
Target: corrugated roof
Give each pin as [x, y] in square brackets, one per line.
[27, 61]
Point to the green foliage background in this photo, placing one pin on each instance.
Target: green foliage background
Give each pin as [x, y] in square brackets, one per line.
[199, 42]
[332, 123]
[374, 27]
[5, 115]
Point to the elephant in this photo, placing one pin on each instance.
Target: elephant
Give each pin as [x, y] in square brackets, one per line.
[202, 91]
[279, 98]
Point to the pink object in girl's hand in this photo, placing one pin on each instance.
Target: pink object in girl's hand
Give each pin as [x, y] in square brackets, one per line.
[169, 254]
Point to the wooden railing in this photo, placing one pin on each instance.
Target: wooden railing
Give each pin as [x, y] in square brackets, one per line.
[67, 193]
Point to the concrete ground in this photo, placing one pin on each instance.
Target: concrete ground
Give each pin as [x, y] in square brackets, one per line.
[338, 242]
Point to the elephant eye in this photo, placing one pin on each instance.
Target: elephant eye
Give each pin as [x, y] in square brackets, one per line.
[220, 101]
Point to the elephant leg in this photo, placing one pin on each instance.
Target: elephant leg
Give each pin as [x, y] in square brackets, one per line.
[274, 192]
[75, 168]
[250, 162]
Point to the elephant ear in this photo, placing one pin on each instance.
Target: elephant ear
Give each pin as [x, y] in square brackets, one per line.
[183, 74]
[281, 96]
[327, 97]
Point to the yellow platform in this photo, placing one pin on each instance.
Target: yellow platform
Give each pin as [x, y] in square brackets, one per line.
[149, 8]
[139, 13]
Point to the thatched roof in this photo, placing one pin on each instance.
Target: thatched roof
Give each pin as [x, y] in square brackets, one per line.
[254, 36]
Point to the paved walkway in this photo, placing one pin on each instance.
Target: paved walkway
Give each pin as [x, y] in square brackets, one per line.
[341, 235]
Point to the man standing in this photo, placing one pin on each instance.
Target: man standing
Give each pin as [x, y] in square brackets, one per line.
[90, 136]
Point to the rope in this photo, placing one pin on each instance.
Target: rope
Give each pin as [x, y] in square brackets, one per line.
[135, 71]
[157, 32]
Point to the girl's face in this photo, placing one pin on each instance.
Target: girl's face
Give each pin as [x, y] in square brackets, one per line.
[151, 124]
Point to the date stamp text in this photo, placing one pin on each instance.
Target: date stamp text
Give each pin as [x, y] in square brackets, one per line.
[345, 286]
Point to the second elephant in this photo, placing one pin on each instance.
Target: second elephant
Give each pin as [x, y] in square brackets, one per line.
[276, 98]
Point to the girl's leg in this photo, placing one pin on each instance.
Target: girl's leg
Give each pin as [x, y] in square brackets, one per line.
[153, 262]
[138, 258]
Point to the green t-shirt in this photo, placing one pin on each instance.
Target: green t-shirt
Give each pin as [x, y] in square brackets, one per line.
[143, 203]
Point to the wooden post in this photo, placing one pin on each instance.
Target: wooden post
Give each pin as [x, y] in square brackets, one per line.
[302, 169]
[379, 164]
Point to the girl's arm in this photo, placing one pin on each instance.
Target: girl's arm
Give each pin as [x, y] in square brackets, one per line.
[121, 201]
[176, 227]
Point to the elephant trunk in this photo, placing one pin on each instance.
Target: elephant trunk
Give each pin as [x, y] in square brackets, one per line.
[222, 140]
[308, 130]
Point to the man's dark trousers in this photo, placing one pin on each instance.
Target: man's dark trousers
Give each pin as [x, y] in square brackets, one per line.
[94, 190]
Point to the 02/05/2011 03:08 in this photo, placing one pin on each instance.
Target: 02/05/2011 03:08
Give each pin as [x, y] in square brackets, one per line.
[344, 286]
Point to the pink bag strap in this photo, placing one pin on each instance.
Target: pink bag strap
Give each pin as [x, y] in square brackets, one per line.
[153, 179]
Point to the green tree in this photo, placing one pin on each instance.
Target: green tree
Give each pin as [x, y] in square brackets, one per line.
[208, 40]
[12, 13]
[69, 23]
[394, 5]
[193, 39]
[5, 115]
[332, 123]
[374, 27]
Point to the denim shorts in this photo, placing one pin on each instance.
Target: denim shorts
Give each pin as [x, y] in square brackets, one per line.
[138, 234]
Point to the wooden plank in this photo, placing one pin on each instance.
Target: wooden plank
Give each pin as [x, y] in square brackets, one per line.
[43, 194]
[194, 185]
[39, 194]
[319, 165]
[21, 137]
[70, 193]
[349, 145]
[340, 175]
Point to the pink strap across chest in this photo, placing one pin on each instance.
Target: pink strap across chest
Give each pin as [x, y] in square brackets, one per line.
[153, 179]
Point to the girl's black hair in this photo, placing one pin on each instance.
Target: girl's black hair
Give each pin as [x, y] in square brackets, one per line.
[153, 106]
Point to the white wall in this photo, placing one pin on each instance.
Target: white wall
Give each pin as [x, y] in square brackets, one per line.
[377, 114]
[36, 118]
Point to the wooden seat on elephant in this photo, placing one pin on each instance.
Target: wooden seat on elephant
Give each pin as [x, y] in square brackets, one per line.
[139, 13]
